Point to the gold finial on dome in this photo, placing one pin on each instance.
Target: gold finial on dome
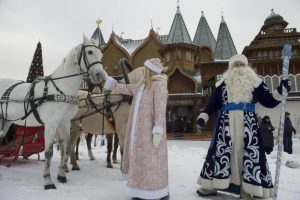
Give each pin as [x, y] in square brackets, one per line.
[98, 21]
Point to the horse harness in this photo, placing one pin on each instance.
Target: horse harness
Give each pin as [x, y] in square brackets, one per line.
[106, 109]
[33, 102]
[36, 102]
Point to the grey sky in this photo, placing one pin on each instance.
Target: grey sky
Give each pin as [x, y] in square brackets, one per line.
[59, 24]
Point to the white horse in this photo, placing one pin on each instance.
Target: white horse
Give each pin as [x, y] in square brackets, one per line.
[55, 101]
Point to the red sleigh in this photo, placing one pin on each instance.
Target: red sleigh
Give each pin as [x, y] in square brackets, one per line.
[23, 141]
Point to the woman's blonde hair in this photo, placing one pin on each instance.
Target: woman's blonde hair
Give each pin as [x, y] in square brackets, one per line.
[147, 78]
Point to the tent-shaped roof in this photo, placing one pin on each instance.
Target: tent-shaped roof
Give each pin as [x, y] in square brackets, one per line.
[178, 32]
[97, 35]
[225, 48]
[203, 35]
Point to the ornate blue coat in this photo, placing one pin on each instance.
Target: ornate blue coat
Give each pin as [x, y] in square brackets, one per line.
[216, 171]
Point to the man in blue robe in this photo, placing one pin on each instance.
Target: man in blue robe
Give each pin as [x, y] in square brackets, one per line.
[236, 157]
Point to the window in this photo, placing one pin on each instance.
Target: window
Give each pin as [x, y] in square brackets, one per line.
[277, 54]
[268, 82]
[275, 80]
[293, 82]
[271, 54]
[259, 55]
[297, 82]
[188, 55]
[177, 55]
[265, 55]
[168, 56]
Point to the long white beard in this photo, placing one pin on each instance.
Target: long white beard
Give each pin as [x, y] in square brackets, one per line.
[240, 84]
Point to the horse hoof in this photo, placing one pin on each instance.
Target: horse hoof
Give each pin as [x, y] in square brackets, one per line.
[75, 168]
[51, 186]
[92, 158]
[109, 166]
[62, 179]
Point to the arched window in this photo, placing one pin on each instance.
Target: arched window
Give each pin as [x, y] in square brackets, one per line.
[293, 82]
[277, 54]
[268, 82]
[297, 82]
[259, 55]
[177, 55]
[275, 81]
[271, 54]
[188, 55]
[265, 55]
[168, 56]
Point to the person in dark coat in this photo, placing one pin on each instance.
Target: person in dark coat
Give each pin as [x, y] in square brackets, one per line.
[267, 129]
[236, 156]
[287, 135]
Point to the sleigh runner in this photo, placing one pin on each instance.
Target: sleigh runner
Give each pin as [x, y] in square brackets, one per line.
[22, 141]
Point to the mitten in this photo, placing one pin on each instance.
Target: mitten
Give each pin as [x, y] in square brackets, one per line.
[201, 122]
[109, 81]
[156, 139]
[285, 83]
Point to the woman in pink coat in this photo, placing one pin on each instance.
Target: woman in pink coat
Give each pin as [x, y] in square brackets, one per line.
[145, 157]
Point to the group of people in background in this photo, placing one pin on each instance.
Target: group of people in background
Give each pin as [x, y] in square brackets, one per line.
[267, 130]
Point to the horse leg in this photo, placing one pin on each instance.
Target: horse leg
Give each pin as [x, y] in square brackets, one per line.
[77, 148]
[75, 133]
[121, 136]
[64, 131]
[49, 142]
[116, 144]
[109, 138]
[62, 151]
[88, 139]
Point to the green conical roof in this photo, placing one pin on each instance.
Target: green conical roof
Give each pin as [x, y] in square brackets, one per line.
[178, 32]
[273, 19]
[97, 35]
[225, 48]
[203, 35]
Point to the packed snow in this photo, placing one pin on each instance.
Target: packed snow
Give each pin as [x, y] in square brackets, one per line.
[96, 182]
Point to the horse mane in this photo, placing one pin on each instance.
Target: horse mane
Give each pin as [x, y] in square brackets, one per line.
[71, 57]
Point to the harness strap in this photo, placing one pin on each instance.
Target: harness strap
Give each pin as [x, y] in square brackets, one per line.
[5, 98]
[35, 104]
[6, 94]
[61, 92]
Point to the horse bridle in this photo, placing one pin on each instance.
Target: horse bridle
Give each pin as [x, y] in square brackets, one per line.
[83, 56]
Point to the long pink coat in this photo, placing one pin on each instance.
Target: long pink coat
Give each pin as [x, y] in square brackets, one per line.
[145, 164]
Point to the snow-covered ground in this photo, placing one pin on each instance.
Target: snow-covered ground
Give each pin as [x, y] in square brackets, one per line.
[96, 182]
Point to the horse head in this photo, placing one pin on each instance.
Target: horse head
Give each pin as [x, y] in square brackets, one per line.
[89, 60]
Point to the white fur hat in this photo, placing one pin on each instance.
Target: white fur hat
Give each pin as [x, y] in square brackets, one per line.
[154, 65]
[238, 57]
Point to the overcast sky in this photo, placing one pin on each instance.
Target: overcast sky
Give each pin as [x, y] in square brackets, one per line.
[60, 24]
